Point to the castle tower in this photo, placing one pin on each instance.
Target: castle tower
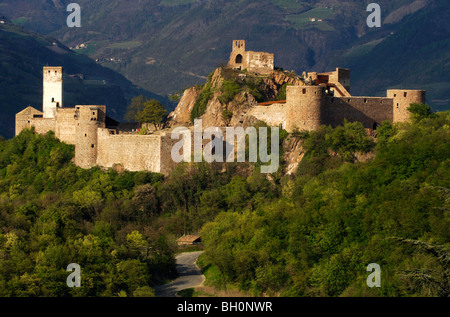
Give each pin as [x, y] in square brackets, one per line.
[88, 119]
[402, 99]
[238, 56]
[306, 105]
[239, 45]
[52, 91]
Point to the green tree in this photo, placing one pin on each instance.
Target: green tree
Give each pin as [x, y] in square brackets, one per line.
[142, 109]
[153, 112]
[420, 111]
[137, 105]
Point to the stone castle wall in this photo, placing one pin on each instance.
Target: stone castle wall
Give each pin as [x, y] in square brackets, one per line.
[274, 115]
[42, 125]
[133, 152]
[326, 101]
[370, 111]
[23, 118]
[308, 107]
[402, 98]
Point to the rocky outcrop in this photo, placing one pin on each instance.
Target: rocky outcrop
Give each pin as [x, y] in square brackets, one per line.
[238, 107]
[182, 113]
[237, 112]
[292, 155]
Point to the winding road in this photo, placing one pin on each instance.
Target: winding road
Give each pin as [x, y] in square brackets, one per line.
[190, 275]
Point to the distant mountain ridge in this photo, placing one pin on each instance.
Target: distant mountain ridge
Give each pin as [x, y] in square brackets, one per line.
[168, 45]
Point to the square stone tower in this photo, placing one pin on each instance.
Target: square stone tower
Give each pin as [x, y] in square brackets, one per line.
[52, 91]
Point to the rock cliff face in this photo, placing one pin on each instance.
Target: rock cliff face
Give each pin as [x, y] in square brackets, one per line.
[293, 154]
[181, 114]
[237, 109]
[269, 86]
[236, 112]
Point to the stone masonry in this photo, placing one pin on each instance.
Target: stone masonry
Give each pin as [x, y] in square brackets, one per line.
[322, 98]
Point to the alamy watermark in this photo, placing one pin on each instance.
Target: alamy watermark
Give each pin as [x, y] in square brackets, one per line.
[374, 279]
[374, 19]
[74, 279]
[74, 19]
[214, 150]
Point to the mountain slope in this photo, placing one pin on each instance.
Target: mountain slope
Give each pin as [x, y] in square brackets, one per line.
[22, 56]
[416, 54]
[168, 45]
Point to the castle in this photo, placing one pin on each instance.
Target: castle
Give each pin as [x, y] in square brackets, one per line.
[323, 98]
[96, 137]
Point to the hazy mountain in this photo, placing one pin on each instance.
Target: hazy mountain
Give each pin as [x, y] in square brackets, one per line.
[412, 54]
[167, 45]
[22, 56]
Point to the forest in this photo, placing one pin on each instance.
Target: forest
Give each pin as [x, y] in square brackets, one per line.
[310, 234]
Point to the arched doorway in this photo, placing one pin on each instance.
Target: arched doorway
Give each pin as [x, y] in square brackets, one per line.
[238, 59]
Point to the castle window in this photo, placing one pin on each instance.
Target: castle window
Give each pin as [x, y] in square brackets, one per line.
[397, 106]
[53, 99]
[92, 145]
[238, 59]
[348, 100]
[404, 94]
[365, 100]
[85, 135]
[395, 95]
[304, 91]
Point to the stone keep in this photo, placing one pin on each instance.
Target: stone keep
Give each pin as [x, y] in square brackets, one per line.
[52, 91]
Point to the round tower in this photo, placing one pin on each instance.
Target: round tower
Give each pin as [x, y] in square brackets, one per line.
[87, 124]
[306, 105]
[402, 99]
